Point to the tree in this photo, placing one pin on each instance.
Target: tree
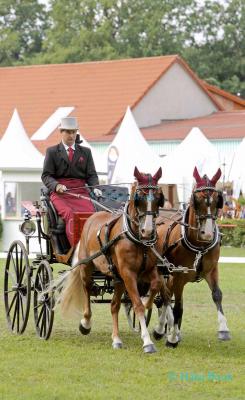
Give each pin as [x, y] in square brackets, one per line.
[220, 56]
[106, 29]
[22, 24]
[208, 34]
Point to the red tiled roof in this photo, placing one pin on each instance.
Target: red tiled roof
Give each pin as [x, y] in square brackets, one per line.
[238, 102]
[99, 91]
[219, 125]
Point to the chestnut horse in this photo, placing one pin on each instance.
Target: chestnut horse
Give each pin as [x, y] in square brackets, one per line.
[123, 243]
[192, 245]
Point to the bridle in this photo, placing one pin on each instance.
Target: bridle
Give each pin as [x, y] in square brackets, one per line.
[148, 191]
[208, 191]
[141, 191]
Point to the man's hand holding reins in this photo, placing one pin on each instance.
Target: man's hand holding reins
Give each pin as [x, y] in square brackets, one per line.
[60, 188]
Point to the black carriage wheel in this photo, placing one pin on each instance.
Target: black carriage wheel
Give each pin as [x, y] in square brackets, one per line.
[132, 319]
[17, 287]
[43, 302]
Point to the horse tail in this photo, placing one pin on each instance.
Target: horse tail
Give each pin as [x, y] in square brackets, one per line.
[71, 297]
[72, 294]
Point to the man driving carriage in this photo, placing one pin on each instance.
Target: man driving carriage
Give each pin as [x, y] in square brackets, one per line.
[68, 165]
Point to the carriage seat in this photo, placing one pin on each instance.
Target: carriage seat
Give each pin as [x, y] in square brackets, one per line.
[56, 225]
[112, 197]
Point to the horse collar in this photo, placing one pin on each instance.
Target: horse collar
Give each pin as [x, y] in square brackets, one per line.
[128, 231]
[186, 243]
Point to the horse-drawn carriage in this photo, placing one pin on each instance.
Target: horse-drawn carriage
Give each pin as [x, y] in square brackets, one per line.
[123, 255]
[24, 275]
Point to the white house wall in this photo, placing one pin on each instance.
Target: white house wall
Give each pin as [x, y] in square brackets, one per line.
[21, 176]
[175, 96]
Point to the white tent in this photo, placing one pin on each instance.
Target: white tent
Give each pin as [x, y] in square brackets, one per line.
[16, 149]
[237, 172]
[127, 150]
[21, 165]
[178, 166]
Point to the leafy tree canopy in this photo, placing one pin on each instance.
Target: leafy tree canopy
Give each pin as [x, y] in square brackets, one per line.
[208, 34]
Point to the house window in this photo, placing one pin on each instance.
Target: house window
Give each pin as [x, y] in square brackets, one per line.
[29, 192]
[19, 196]
[10, 198]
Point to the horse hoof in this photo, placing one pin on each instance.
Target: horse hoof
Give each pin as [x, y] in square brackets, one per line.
[84, 331]
[224, 335]
[171, 345]
[156, 335]
[117, 345]
[149, 349]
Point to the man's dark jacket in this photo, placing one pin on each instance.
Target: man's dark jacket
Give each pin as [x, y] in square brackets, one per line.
[57, 165]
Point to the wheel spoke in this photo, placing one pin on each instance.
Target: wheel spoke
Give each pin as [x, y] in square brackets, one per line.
[22, 274]
[21, 306]
[17, 261]
[18, 313]
[17, 287]
[43, 325]
[12, 303]
[15, 313]
[13, 262]
[9, 291]
[13, 278]
[40, 281]
[43, 313]
[40, 316]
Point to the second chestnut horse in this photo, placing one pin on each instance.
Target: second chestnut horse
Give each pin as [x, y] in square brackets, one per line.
[192, 245]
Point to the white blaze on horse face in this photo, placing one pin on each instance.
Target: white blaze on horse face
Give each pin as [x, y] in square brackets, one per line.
[206, 231]
[148, 225]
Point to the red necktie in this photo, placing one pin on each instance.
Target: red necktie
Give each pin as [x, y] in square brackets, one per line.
[70, 153]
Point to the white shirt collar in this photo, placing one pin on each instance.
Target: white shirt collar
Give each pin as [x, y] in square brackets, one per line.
[67, 147]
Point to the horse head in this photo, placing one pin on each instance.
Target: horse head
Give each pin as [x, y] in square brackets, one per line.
[146, 198]
[206, 201]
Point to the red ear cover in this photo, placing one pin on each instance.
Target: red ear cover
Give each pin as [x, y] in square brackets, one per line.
[157, 175]
[216, 177]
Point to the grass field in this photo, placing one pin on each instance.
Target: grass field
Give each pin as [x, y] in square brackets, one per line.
[70, 366]
[232, 251]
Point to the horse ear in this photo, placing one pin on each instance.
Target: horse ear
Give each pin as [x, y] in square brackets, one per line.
[157, 175]
[216, 177]
[137, 174]
[196, 175]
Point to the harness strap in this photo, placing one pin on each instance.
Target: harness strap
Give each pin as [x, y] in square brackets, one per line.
[111, 267]
[130, 235]
[204, 249]
[104, 248]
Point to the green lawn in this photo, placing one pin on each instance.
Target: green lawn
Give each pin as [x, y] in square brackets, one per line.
[232, 251]
[71, 366]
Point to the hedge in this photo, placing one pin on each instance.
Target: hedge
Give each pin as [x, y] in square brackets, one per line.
[233, 235]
